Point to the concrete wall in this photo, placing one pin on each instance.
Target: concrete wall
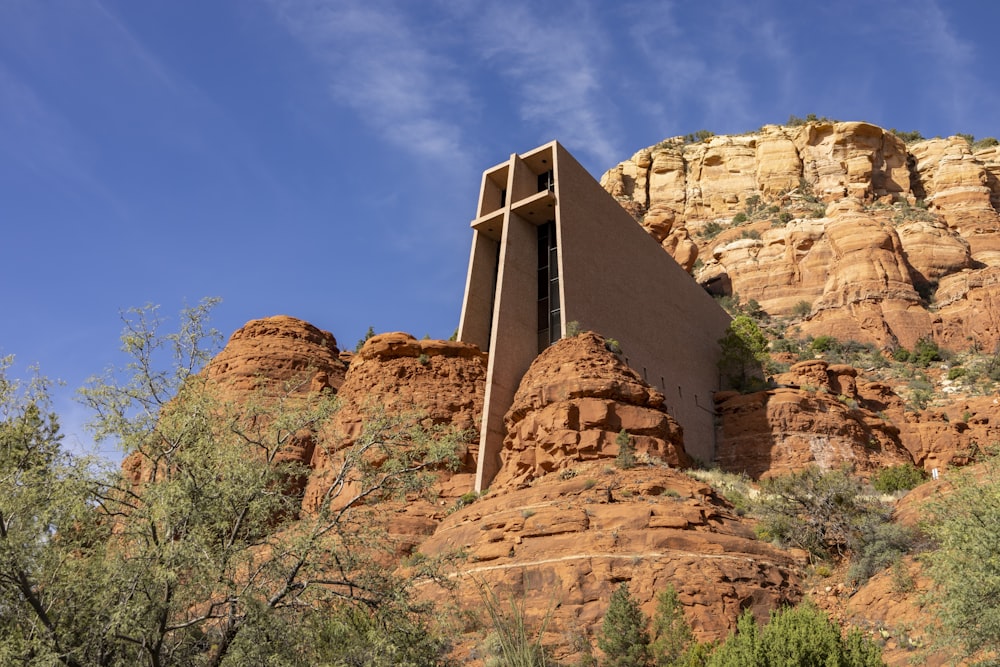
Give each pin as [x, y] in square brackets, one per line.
[513, 344]
[619, 282]
[474, 327]
[614, 279]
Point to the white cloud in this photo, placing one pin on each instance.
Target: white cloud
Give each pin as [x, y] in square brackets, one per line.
[557, 72]
[385, 70]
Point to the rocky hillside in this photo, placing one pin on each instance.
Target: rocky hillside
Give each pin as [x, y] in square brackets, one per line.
[847, 246]
[871, 238]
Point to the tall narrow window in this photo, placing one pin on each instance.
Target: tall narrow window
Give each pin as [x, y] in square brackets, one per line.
[547, 181]
[549, 306]
[493, 294]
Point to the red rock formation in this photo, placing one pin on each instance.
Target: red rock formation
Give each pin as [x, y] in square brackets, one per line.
[969, 310]
[278, 349]
[431, 382]
[567, 541]
[571, 405]
[279, 353]
[869, 265]
[817, 416]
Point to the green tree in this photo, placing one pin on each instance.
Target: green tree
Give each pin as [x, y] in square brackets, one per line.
[671, 633]
[744, 352]
[819, 511]
[798, 637]
[623, 637]
[626, 451]
[203, 554]
[49, 536]
[965, 525]
[829, 514]
[898, 478]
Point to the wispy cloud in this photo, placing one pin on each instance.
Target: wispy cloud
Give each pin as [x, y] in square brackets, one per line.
[710, 64]
[952, 60]
[40, 140]
[556, 68]
[382, 68]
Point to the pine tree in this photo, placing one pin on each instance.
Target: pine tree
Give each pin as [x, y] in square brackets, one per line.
[624, 639]
[671, 632]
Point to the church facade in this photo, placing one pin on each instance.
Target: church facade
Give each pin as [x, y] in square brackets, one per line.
[552, 250]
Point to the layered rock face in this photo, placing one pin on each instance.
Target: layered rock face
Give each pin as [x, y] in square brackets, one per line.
[278, 349]
[866, 230]
[430, 382]
[571, 406]
[269, 357]
[562, 525]
[818, 415]
[566, 542]
[825, 415]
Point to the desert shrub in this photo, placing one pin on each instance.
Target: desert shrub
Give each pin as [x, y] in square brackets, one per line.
[744, 351]
[710, 230]
[850, 352]
[795, 121]
[921, 392]
[826, 513]
[729, 303]
[750, 234]
[739, 218]
[908, 137]
[802, 309]
[626, 452]
[955, 372]
[965, 525]
[798, 637]
[823, 343]
[699, 136]
[786, 346]
[881, 544]
[898, 478]
[924, 352]
[512, 643]
[985, 142]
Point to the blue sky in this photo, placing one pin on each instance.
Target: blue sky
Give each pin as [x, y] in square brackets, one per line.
[322, 159]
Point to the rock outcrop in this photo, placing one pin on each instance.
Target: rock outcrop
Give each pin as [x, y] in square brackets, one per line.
[842, 216]
[571, 406]
[817, 415]
[276, 350]
[566, 542]
[426, 382]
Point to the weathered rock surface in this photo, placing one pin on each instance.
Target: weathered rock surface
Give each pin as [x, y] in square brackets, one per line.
[571, 405]
[566, 542]
[430, 382]
[816, 416]
[276, 355]
[953, 436]
[275, 350]
[842, 216]
[968, 312]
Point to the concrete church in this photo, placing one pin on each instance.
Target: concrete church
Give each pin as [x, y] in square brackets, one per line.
[550, 247]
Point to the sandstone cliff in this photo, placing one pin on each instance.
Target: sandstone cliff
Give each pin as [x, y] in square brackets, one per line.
[885, 242]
